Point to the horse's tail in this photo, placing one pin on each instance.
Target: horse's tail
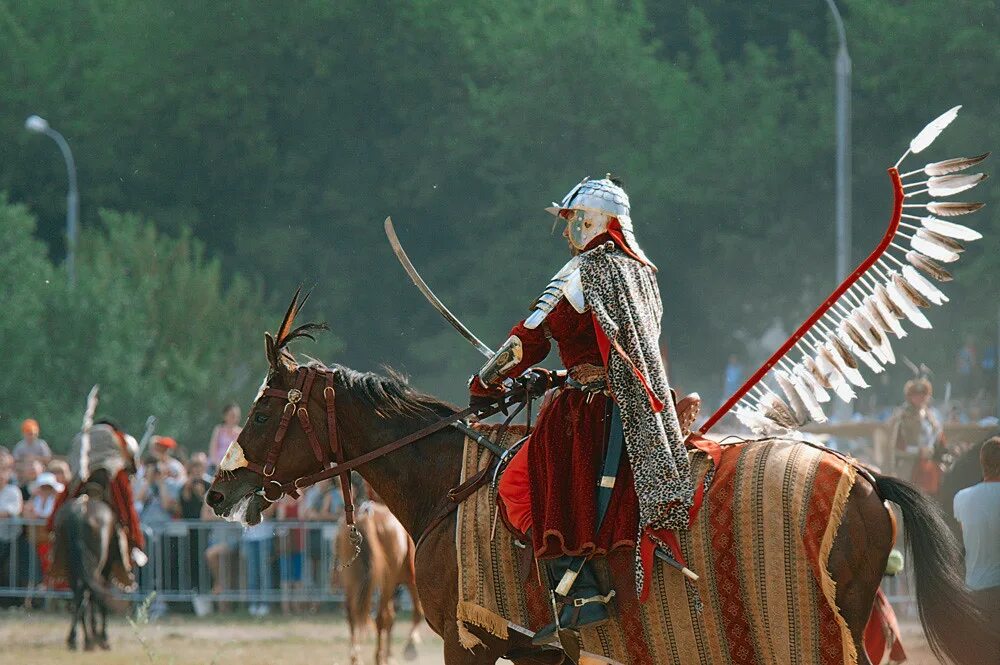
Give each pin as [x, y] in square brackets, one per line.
[955, 627]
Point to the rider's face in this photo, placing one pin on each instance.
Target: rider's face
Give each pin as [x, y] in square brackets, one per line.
[568, 216]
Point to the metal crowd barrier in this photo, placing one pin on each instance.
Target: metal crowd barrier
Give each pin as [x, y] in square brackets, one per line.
[279, 561]
[193, 560]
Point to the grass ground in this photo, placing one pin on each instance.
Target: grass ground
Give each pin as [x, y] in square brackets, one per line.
[39, 638]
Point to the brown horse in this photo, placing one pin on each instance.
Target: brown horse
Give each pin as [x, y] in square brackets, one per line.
[383, 564]
[372, 411]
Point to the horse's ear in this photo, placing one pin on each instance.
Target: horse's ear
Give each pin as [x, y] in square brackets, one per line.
[270, 351]
[279, 359]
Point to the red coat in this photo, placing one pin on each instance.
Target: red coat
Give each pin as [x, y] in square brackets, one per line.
[550, 484]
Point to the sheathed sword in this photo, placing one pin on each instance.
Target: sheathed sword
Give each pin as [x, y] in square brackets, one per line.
[397, 248]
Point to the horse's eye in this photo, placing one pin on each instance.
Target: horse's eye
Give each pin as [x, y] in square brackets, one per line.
[260, 418]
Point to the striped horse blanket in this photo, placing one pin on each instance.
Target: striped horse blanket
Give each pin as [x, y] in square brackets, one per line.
[760, 543]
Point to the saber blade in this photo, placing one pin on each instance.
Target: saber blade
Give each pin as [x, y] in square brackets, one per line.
[397, 248]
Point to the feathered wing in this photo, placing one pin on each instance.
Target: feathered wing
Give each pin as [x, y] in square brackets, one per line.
[887, 292]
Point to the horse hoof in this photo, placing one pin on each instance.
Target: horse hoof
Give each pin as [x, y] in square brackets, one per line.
[105, 645]
[88, 647]
[410, 651]
[71, 645]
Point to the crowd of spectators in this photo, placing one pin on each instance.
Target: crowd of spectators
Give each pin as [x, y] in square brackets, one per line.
[202, 554]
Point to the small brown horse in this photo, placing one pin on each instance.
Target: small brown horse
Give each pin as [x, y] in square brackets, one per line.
[384, 563]
[372, 411]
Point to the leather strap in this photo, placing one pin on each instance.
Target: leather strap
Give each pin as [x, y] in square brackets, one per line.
[298, 404]
[454, 498]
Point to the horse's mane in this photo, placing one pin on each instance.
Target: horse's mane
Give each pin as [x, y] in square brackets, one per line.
[390, 395]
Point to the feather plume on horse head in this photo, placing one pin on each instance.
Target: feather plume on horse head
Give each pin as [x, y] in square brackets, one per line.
[277, 345]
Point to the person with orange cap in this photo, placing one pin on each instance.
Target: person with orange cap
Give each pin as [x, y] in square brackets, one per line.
[31, 445]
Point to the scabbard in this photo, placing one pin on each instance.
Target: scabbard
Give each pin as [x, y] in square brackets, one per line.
[612, 462]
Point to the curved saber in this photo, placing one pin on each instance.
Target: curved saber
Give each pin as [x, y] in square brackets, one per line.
[390, 232]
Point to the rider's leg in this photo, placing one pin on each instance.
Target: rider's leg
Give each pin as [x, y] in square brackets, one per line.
[514, 489]
[578, 599]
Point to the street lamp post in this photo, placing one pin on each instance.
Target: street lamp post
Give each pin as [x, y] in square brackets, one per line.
[40, 125]
[843, 205]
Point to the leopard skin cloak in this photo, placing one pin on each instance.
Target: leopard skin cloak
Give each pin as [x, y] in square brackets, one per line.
[625, 300]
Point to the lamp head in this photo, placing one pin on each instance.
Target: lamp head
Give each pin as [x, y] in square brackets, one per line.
[36, 124]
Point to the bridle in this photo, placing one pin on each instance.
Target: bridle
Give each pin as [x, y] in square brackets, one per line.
[331, 456]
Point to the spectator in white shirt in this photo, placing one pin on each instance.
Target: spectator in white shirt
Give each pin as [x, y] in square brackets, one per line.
[977, 509]
[11, 504]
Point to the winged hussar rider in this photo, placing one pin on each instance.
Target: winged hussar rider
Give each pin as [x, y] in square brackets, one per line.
[565, 488]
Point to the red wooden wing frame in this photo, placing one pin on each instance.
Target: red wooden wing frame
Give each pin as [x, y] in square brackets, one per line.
[897, 211]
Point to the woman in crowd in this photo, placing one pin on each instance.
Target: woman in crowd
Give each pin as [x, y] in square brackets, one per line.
[224, 434]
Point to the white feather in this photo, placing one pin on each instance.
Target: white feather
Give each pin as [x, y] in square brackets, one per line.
[861, 321]
[928, 290]
[850, 373]
[933, 250]
[756, 422]
[909, 309]
[950, 229]
[88, 422]
[954, 164]
[953, 208]
[835, 378]
[932, 130]
[894, 326]
[861, 354]
[875, 330]
[808, 380]
[803, 395]
[948, 185]
[794, 399]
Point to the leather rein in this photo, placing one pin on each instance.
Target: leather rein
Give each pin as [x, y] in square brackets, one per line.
[296, 405]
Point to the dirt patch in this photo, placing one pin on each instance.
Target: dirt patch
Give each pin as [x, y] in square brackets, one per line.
[39, 638]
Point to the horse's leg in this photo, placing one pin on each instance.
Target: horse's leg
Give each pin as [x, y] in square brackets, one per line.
[438, 592]
[409, 577]
[383, 624]
[858, 558]
[103, 637]
[413, 640]
[77, 615]
[88, 626]
[352, 626]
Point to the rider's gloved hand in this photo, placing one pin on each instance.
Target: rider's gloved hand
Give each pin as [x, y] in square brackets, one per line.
[537, 381]
[482, 396]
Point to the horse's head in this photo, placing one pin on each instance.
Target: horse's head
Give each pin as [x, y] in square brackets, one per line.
[274, 446]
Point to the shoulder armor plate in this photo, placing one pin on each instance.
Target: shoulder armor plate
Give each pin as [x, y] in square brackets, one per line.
[565, 284]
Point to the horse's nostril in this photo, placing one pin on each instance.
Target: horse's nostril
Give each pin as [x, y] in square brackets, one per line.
[213, 498]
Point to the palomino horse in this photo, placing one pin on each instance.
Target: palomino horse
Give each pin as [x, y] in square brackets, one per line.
[375, 423]
[383, 564]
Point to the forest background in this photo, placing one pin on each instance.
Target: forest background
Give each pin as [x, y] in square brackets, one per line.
[229, 151]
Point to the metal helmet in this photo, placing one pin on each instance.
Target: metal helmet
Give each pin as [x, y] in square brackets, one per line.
[594, 204]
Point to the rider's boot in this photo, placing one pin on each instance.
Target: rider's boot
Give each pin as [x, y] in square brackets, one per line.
[577, 601]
